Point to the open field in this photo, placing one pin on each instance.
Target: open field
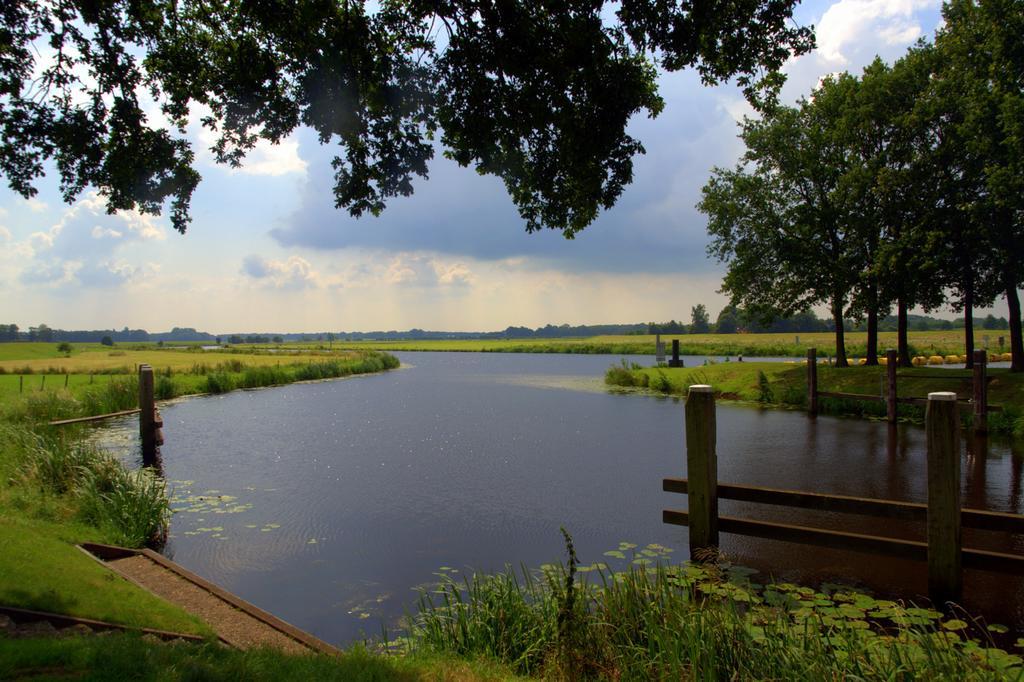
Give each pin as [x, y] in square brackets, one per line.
[38, 358]
[751, 345]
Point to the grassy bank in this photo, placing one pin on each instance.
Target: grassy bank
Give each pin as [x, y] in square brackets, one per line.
[657, 620]
[56, 491]
[129, 657]
[785, 384]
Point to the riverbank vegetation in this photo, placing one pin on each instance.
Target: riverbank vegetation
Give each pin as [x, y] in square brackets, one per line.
[655, 619]
[784, 384]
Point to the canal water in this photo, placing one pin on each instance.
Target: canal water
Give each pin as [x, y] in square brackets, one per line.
[329, 504]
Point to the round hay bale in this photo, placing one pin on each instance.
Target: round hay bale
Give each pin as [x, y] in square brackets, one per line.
[935, 360]
[1007, 357]
[919, 360]
[963, 359]
[952, 359]
[882, 360]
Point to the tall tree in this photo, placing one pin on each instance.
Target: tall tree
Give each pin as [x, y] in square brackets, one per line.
[536, 93]
[983, 73]
[699, 320]
[778, 219]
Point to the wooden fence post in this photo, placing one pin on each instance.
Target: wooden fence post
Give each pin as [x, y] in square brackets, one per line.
[21, 383]
[942, 424]
[812, 380]
[980, 391]
[147, 429]
[701, 469]
[891, 363]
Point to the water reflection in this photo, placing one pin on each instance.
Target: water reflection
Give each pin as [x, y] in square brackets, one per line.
[345, 495]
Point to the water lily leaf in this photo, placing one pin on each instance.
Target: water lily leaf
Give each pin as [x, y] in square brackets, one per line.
[954, 624]
[623, 546]
[615, 553]
[312, 541]
[998, 629]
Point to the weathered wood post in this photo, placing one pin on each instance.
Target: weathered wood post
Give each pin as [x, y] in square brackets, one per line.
[980, 397]
[942, 424]
[66, 377]
[812, 380]
[21, 383]
[147, 429]
[42, 383]
[701, 469]
[891, 362]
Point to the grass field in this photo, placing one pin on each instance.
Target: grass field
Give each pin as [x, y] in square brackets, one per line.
[750, 345]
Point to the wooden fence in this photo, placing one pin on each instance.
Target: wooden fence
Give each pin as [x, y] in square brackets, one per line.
[942, 515]
[150, 422]
[978, 401]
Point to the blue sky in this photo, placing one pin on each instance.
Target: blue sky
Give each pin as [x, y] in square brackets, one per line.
[267, 251]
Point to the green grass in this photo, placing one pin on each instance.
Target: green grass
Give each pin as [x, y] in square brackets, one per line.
[787, 384]
[749, 345]
[129, 657]
[659, 620]
[104, 393]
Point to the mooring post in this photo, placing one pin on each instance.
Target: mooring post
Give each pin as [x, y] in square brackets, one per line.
[675, 361]
[891, 362]
[147, 429]
[812, 380]
[980, 397]
[701, 470]
[942, 424]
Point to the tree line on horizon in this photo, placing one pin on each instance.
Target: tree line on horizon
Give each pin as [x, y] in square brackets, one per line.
[731, 320]
[902, 187]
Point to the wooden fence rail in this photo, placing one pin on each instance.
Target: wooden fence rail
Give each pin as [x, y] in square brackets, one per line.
[942, 515]
[978, 402]
[150, 422]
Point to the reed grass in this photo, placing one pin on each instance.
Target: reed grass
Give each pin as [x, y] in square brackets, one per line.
[697, 622]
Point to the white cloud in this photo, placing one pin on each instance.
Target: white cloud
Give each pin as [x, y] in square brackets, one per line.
[854, 23]
[37, 206]
[292, 273]
[5, 234]
[99, 232]
[263, 159]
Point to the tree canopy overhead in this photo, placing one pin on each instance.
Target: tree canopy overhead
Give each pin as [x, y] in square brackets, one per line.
[536, 93]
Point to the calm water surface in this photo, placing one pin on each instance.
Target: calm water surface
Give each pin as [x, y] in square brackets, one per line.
[329, 503]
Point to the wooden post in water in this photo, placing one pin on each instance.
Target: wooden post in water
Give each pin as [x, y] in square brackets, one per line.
[942, 424]
[812, 380]
[147, 405]
[891, 363]
[980, 397]
[702, 469]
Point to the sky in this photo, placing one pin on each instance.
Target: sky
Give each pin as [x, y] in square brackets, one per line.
[267, 250]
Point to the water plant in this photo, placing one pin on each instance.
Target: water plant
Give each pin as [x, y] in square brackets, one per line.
[662, 620]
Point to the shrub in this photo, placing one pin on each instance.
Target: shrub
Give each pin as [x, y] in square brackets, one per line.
[118, 394]
[131, 506]
[620, 375]
[219, 382]
[164, 388]
[764, 389]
